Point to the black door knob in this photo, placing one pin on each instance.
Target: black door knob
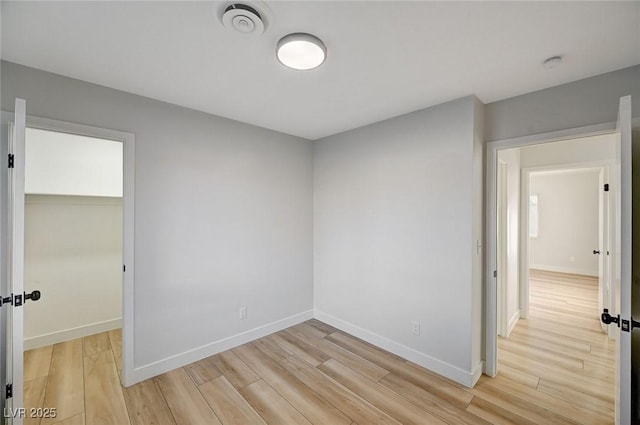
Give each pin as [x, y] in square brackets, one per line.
[33, 296]
[608, 319]
[595, 251]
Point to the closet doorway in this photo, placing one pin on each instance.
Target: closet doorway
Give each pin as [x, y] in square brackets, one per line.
[73, 236]
[76, 241]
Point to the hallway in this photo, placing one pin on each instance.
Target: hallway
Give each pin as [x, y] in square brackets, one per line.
[558, 358]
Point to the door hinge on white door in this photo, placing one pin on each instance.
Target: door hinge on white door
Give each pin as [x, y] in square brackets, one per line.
[606, 187]
[10, 163]
[9, 391]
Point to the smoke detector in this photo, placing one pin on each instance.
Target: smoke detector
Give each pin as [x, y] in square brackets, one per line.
[552, 62]
[243, 19]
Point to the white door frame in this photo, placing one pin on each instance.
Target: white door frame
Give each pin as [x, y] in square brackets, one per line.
[502, 250]
[128, 140]
[523, 247]
[491, 334]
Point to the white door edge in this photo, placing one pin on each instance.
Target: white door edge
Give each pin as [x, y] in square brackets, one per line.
[623, 294]
[15, 329]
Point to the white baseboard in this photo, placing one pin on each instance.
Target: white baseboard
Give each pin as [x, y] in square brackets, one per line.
[513, 321]
[159, 367]
[467, 378]
[562, 269]
[69, 334]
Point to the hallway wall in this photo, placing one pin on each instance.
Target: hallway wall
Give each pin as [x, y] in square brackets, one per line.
[568, 222]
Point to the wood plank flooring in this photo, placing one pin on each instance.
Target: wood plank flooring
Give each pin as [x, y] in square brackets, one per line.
[558, 359]
[313, 374]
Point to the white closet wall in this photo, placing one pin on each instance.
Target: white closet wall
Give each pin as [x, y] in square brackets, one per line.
[68, 164]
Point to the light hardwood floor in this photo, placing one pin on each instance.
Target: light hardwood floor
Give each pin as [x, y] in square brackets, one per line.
[559, 358]
[552, 371]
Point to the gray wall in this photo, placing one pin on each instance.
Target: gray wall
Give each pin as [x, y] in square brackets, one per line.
[217, 173]
[585, 102]
[397, 212]
[568, 222]
[223, 212]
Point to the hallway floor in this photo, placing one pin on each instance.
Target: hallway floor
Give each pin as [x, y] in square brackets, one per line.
[559, 358]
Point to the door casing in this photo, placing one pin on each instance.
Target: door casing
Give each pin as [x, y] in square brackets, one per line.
[491, 328]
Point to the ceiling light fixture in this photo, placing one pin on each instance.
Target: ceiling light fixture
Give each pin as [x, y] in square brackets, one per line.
[301, 51]
[552, 62]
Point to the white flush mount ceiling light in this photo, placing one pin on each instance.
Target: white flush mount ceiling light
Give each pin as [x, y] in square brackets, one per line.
[552, 62]
[301, 51]
[243, 19]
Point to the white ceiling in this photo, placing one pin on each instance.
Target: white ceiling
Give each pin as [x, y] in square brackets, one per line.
[385, 58]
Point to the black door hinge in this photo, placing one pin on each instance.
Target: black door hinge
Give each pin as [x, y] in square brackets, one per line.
[11, 161]
[606, 187]
[495, 273]
[9, 391]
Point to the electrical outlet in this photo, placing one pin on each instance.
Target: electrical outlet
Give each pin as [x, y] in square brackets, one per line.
[243, 313]
[416, 328]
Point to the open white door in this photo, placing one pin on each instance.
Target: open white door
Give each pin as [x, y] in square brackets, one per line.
[620, 317]
[16, 266]
[623, 294]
